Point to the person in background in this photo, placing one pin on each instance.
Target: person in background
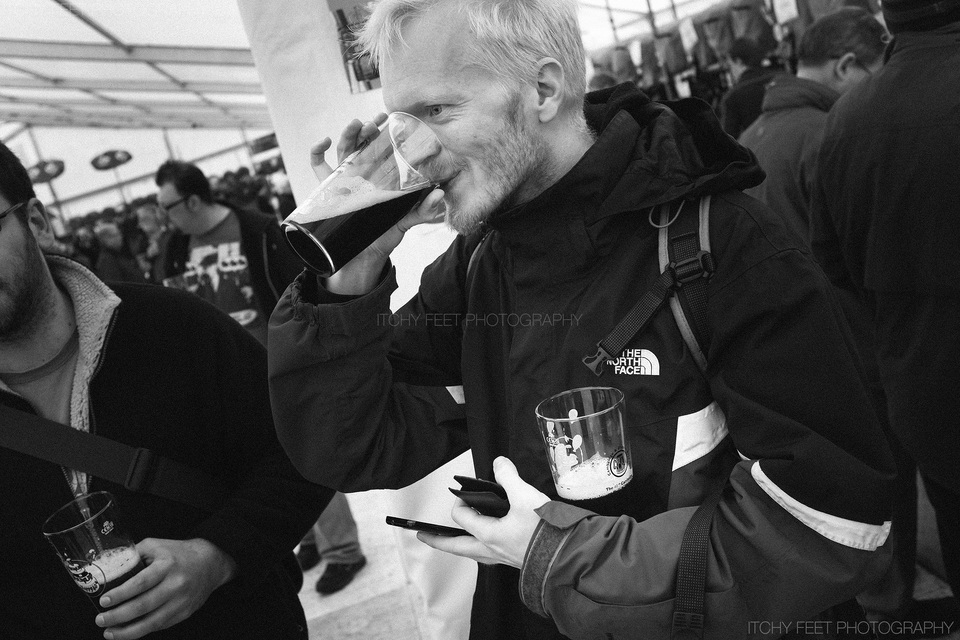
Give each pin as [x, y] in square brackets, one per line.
[150, 220]
[601, 81]
[552, 191]
[837, 53]
[87, 247]
[622, 66]
[116, 262]
[885, 228]
[238, 260]
[742, 103]
[153, 368]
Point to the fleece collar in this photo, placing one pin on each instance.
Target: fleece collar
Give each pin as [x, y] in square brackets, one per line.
[94, 305]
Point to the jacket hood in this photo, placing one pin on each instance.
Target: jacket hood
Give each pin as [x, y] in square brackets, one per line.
[790, 92]
[679, 150]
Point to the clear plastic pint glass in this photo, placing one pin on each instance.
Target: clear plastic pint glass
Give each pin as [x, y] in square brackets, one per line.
[370, 191]
[586, 447]
[93, 547]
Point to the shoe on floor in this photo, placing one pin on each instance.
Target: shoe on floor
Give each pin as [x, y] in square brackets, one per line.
[308, 557]
[337, 576]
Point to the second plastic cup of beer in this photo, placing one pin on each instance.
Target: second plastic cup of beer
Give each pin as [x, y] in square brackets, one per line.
[93, 547]
[587, 450]
[370, 191]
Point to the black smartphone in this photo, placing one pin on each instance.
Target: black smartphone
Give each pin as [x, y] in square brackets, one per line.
[426, 527]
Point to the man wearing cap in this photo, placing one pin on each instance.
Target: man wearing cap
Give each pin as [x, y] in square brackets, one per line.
[885, 226]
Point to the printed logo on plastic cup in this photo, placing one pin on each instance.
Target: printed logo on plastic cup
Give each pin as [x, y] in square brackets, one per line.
[618, 464]
[88, 577]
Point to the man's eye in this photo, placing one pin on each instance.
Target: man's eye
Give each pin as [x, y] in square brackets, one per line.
[434, 110]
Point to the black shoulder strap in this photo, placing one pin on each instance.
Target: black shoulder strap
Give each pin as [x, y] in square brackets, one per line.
[688, 266]
[137, 469]
[692, 571]
[684, 239]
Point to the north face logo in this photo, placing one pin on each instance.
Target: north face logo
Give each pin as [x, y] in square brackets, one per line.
[636, 362]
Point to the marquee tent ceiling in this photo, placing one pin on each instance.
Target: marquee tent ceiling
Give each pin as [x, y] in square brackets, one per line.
[179, 64]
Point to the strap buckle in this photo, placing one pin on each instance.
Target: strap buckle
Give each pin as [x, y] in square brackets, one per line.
[140, 469]
[595, 362]
[689, 621]
[691, 269]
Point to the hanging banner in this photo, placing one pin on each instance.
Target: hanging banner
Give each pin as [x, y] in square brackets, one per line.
[263, 143]
[45, 171]
[350, 15]
[688, 34]
[719, 34]
[785, 10]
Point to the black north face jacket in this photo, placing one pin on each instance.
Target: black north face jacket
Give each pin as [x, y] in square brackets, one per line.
[781, 416]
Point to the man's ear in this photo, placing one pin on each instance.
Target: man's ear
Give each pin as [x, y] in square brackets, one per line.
[39, 222]
[550, 84]
[844, 65]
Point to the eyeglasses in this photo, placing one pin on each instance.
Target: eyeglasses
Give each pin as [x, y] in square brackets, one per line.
[11, 210]
[168, 207]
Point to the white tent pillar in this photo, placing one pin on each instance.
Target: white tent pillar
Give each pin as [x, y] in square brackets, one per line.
[297, 52]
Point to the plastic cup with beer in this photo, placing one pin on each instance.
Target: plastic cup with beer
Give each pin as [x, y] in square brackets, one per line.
[93, 547]
[588, 453]
[369, 192]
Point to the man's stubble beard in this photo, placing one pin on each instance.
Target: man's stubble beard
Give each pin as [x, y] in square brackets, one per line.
[517, 158]
[29, 295]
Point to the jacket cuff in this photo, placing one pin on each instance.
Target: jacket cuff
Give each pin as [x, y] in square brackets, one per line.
[557, 519]
[337, 327]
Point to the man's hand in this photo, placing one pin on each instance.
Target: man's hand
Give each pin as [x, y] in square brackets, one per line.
[360, 275]
[179, 577]
[495, 540]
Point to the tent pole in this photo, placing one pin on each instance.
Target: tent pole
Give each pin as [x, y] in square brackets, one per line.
[36, 150]
[613, 25]
[166, 141]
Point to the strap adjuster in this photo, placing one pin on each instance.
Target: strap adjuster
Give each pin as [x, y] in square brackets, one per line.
[140, 470]
[596, 361]
[687, 620]
[691, 269]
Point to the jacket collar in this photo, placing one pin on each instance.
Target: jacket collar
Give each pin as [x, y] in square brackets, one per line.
[646, 153]
[791, 92]
[94, 305]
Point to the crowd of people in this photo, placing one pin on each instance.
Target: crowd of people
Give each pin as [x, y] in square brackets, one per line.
[123, 243]
[785, 267]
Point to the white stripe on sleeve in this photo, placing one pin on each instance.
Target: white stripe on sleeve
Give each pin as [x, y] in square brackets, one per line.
[850, 533]
[698, 434]
[457, 394]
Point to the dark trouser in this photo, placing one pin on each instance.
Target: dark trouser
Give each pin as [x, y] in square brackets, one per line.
[946, 505]
[918, 353]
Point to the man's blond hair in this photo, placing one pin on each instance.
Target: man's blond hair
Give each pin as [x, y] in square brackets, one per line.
[509, 37]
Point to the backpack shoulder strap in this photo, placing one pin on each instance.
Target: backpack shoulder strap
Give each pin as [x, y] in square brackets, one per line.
[679, 240]
[137, 469]
[683, 239]
[687, 265]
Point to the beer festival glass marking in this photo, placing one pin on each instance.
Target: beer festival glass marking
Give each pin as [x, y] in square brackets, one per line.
[588, 452]
[369, 192]
[93, 549]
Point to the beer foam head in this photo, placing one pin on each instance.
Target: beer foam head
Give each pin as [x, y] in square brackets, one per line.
[116, 562]
[341, 195]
